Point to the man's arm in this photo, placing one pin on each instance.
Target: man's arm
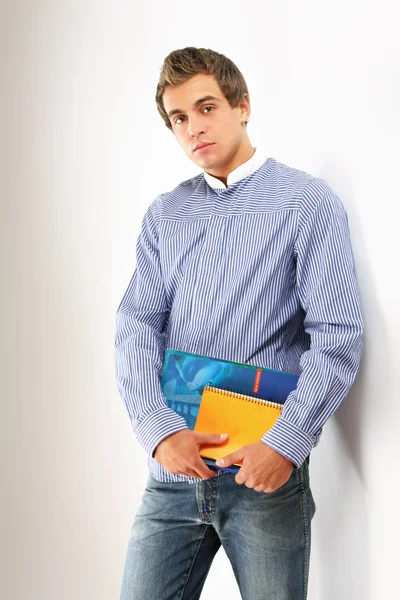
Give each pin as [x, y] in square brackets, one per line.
[327, 290]
[140, 342]
[328, 293]
[139, 356]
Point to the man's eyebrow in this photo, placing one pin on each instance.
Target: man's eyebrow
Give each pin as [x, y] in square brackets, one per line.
[195, 105]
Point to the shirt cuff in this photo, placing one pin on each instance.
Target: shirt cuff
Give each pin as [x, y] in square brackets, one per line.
[289, 440]
[158, 425]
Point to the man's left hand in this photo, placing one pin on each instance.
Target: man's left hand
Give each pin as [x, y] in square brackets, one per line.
[263, 469]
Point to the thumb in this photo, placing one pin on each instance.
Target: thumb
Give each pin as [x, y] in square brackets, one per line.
[211, 438]
[230, 459]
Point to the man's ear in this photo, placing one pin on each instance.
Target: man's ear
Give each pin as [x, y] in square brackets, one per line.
[244, 106]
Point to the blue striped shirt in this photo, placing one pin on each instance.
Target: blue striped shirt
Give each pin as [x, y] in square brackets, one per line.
[258, 272]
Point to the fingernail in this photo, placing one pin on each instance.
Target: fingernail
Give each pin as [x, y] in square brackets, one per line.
[220, 462]
[224, 436]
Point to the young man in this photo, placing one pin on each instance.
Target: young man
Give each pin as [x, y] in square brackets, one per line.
[249, 261]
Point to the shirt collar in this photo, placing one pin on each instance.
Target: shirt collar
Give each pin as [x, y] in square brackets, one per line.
[242, 171]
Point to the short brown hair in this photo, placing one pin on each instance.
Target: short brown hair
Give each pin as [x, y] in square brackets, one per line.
[180, 65]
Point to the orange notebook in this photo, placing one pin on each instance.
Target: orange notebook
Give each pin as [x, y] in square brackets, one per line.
[244, 418]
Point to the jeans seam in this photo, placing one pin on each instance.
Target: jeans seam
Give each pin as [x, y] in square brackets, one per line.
[306, 533]
[193, 561]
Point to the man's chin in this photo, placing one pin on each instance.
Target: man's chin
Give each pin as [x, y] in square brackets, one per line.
[204, 162]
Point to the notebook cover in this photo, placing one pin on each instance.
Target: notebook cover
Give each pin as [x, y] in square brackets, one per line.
[244, 418]
[185, 375]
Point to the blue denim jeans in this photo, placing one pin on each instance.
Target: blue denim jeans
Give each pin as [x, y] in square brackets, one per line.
[179, 527]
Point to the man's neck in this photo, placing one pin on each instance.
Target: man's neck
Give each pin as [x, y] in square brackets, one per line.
[244, 156]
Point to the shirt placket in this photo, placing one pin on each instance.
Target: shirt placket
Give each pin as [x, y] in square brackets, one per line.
[204, 291]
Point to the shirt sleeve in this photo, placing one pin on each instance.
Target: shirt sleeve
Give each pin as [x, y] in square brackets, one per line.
[327, 290]
[141, 319]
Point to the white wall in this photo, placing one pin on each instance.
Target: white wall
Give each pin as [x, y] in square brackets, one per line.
[83, 154]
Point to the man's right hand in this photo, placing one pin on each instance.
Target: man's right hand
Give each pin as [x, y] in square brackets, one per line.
[179, 453]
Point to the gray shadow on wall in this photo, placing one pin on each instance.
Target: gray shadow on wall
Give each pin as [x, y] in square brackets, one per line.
[338, 468]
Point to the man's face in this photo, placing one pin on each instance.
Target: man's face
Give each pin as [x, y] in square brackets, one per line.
[199, 113]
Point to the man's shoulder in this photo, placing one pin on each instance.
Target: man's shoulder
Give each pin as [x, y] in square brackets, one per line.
[288, 177]
[188, 194]
[307, 190]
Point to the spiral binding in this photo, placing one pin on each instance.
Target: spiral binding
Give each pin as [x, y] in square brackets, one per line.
[232, 393]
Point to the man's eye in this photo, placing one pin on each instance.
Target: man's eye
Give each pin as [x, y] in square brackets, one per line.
[180, 119]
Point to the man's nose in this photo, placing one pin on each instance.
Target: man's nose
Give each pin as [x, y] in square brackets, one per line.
[196, 128]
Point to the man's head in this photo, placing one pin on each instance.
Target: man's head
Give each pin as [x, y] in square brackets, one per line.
[203, 98]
